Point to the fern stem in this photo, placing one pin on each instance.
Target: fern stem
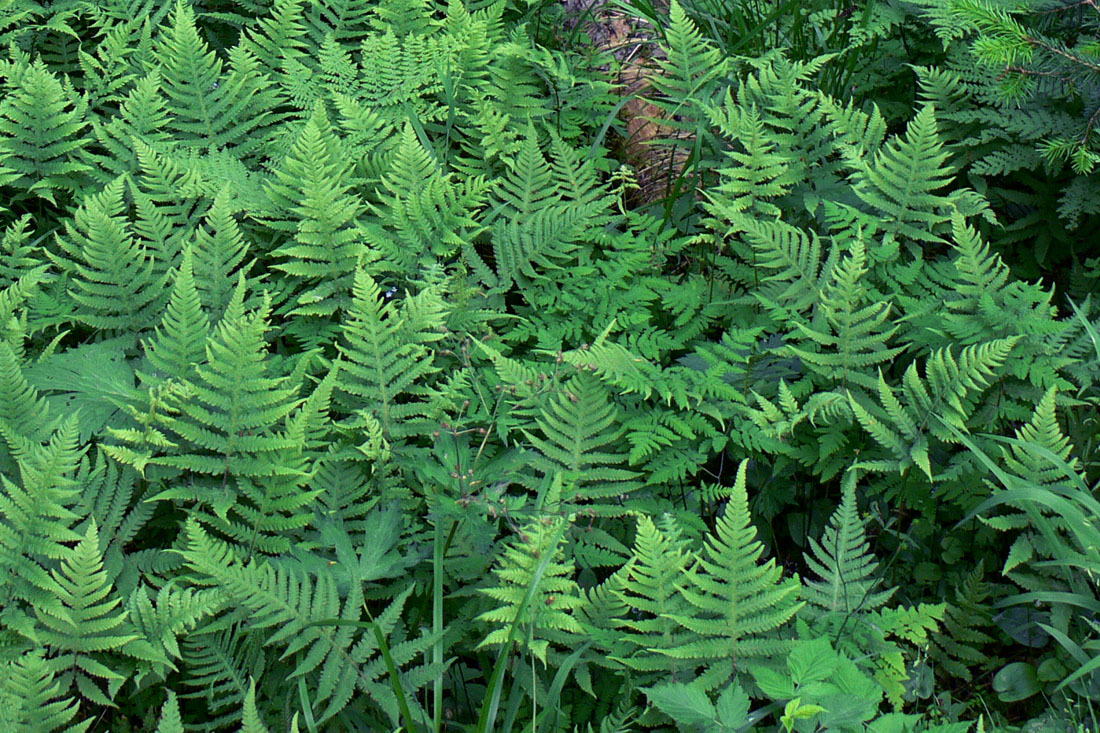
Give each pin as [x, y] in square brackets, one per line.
[438, 551]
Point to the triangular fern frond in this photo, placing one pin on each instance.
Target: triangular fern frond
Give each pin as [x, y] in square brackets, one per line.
[546, 615]
[846, 582]
[386, 355]
[93, 625]
[32, 699]
[578, 427]
[739, 604]
[42, 136]
[650, 587]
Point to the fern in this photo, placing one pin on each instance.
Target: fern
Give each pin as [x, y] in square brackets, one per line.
[651, 583]
[90, 625]
[33, 699]
[170, 720]
[843, 563]
[143, 115]
[904, 177]
[311, 191]
[217, 665]
[533, 223]
[298, 613]
[42, 136]
[115, 278]
[738, 604]
[946, 392]
[36, 521]
[178, 346]
[220, 252]
[208, 106]
[537, 598]
[428, 213]
[960, 646]
[858, 340]
[577, 428]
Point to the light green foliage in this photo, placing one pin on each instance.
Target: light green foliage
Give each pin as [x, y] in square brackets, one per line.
[34, 700]
[91, 624]
[115, 281]
[545, 616]
[311, 192]
[651, 584]
[42, 133]
[737, 603]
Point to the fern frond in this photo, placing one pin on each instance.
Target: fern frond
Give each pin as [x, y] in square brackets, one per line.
[178, 346]
[532, 225]
[210, 107]
[650, 588]
[32, 699]
[843, 563]
[903, 179]
[577, 428]
[547, 615]
[296, 613]
[387, 357]
[37, 518]
[219, 250]
[92, 624]
[739, 604]
[858, 340]
[42, 136]
[116, 278]
[312, 193]
[960, 646]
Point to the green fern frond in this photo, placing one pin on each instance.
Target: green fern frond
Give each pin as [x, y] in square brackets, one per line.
[143, 115]
[903, 180]
[42, 136]
[92, 626]
[217, 665]
[208, 106]
[547, 617]
[251, 722]
[171, 613]
[277, 38]
[577, 429]
[229, 422]
[387, 357]
[738, 604]
[1026, 457]
[219, 250]
[428, 211]
[960, 647]
[856, 340]
[312, 623]
[650, 588]
[794, 258]
[170, 720]
[23, 411]
[32, 699]
[692, 65]
[312, 193]
[37, 518]
[532, 224]
[760, 174]
[178, 346]
[843, 563]
[947, 392]
[117, 281]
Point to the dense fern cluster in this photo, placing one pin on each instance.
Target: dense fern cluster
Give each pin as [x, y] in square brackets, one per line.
[341, 388]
